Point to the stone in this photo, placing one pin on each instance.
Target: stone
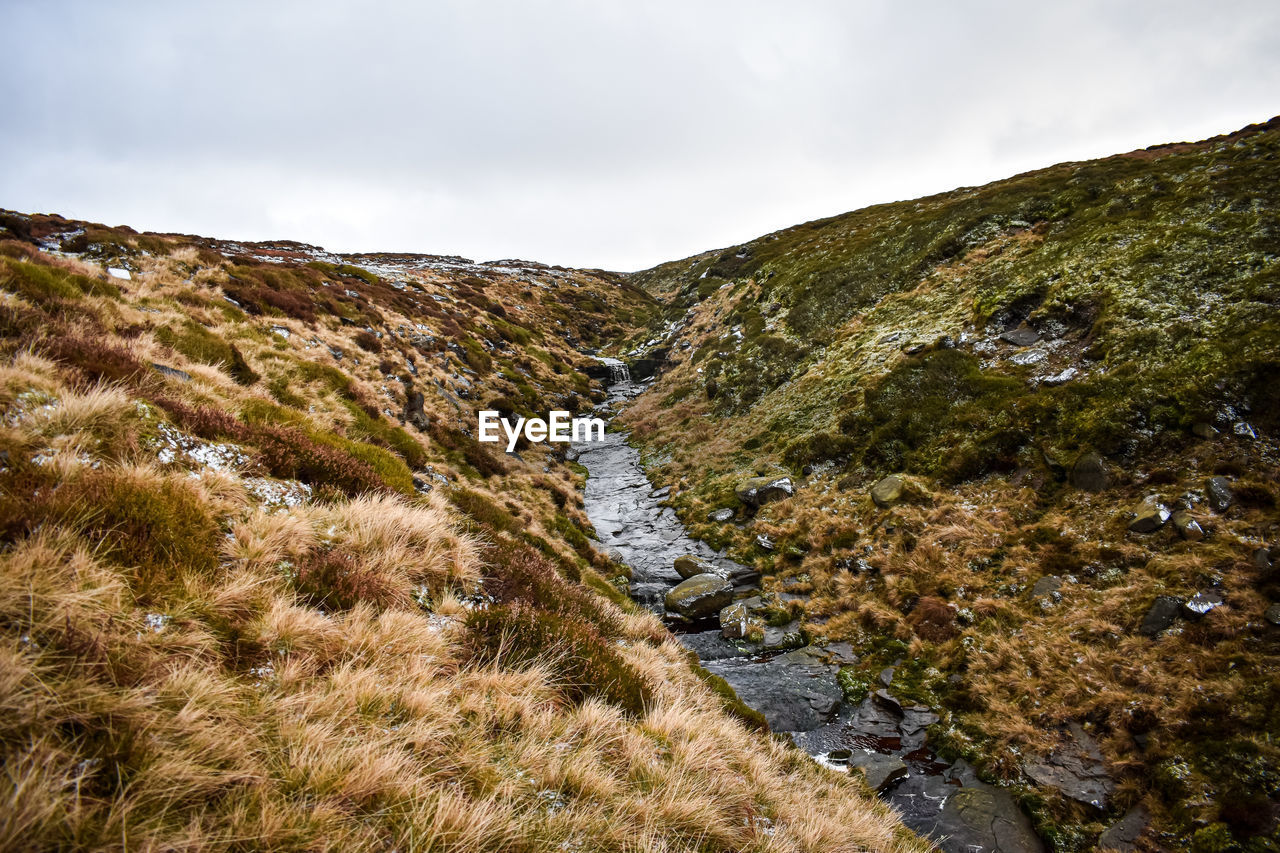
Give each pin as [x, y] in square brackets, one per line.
[1204, 430]
[721, 515]
[1188, 528]
[689, 565]
[1244, 430]
[1089, 473]
[1023, 336]
[1272, 614]
[882, 772]
[885, 700]
[1162, 614]
[982, 818]
[1149, 517]
[735, 622]
[795, 691]
[1076, 770]
[1201, 603]
[759, 491]
[1122, 836]
[888, 491]
[413, 413]
[699, 596]
[764, 543]
[783, 639]
[1262, 559]
[166, 370]
[886, 676]
[1047, 585]
[1220, 495]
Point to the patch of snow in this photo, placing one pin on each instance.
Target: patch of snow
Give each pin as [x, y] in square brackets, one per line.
[117, 272]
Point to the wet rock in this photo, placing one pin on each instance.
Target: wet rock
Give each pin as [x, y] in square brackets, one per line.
[1201, 603]
[888, 491]
[1149, 517]
[1219, 492]
[1188, 528]
[699, 596]
[1089, 473]
[720, 516]
[1123, 835]
[1204, 430]
[841, 653]
[1272, 614]
[1075, 769]
[1022, 336]
[1162, 614]
[781, 639]
[795, 691]
[759, 491]
[882, 772]
[917, 718]
[689, 565]
[735, 622]
[985, 819]
[886, 701]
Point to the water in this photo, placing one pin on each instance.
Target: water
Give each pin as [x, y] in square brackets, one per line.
[796, 690]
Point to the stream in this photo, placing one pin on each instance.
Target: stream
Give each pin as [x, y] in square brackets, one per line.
[794, 687]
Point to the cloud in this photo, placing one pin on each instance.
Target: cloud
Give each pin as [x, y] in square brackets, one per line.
[614, 135]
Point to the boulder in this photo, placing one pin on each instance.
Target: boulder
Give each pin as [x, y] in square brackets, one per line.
[1089, 473]
[721, 515]
[689, 565]
[888, 491]
[1220, 495]
[1188, 528]
[882, 772]
[735, 621]
[1162, 613]
[699, 596]
[1148, 517]
[1201, 603]
[1076, 770]
[759, 491]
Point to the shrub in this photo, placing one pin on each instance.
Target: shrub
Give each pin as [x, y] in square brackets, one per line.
[203, 421]
[97, 358]
[289, 452]
[332, 579]
[368, 341]
[515, 636]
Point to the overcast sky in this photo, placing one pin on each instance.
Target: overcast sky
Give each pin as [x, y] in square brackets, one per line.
[612, 134]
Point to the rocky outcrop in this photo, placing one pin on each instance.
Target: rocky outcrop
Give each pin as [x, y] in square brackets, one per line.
[699, 597]
[758, 491]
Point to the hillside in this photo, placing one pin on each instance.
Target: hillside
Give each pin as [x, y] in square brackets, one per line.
[261, 588]
[1032, 430]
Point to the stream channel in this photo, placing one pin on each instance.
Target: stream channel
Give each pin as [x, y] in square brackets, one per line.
[795, 688]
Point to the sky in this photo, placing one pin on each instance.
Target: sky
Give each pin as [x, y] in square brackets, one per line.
[588, 133]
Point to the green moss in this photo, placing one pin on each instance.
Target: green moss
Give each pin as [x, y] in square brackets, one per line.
[45, 285]
[199, 344]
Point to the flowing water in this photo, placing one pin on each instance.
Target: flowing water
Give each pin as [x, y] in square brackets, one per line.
[795, 689]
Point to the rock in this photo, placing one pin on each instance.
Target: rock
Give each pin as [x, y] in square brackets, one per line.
[783, 639]
[1188, 528]
[721, 515]
[1262, 559]
[689, 565]
[1023, 336]
[885, 700]
[1149, 517]
[888, 491]
[164, 369]
[120, 273]
[764, 543]
[1089, 473]
[1122, 836]
[1163, 612]
[735, 622]
[1047, 585]
[1273, 614]
[985, 819]
[1204, 430]
[1076, 770]
[413, 413]
[882, 772]
[1201, 603]
[1244, 430]
[665, 491]
[886, 676]
[699, 596]
[1220, 495]
[759, 491]
[795, 691]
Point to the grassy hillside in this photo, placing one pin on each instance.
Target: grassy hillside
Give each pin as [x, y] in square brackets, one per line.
[1039, 361]
[261, 588]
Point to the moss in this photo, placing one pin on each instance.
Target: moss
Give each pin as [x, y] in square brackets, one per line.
[199, 344]
[46, 285]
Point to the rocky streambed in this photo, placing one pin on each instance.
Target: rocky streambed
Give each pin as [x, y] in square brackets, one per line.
[792, 684]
